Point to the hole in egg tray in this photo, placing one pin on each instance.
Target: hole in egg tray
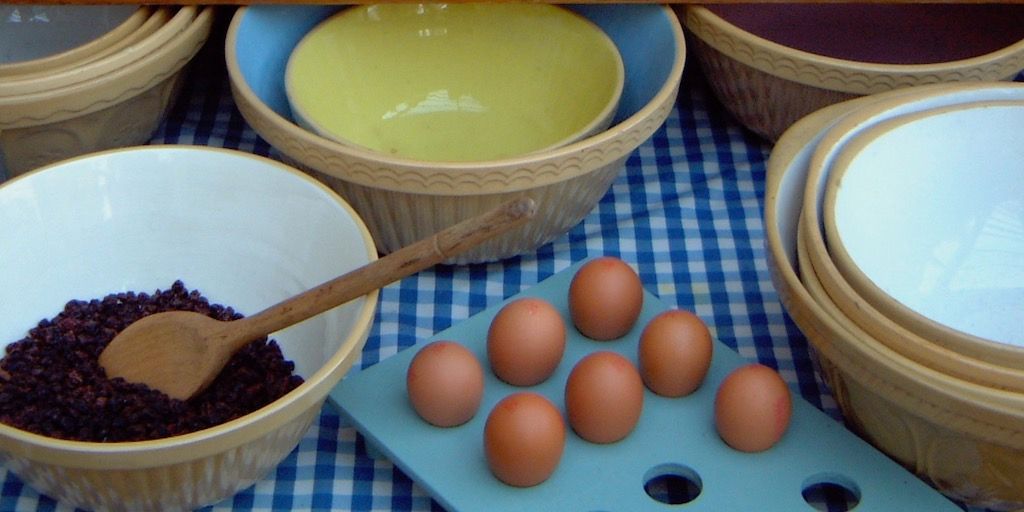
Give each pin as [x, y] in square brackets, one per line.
[672, 433]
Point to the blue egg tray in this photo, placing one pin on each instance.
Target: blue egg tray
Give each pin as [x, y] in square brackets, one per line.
[674, 441]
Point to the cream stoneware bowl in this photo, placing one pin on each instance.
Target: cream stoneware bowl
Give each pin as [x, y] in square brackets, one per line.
[965, 439]
[117, 109]
[942, 191]
[1010, 357]
[159, 16]
[403, 200]
[89, 70]
[771, 64]
[40, 37]
[254, 232]
[455, 82]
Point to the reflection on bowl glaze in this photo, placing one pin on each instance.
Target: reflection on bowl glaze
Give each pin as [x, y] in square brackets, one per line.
[942, 192]
[459, 82]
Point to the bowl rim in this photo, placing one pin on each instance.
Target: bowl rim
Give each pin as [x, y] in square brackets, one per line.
[599, 119]
[437, 176]
[81, 98]
[1010, 404]
[866, 320]
[839, 74]
[228, 435]
[833, 143]
[83, 51]
[874, 367]
[158, 17]
[58, 78]
[865, 287]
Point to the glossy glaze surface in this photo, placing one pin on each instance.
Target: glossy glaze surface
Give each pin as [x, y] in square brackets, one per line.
[925, 214]
[29, 32]
[455, 82]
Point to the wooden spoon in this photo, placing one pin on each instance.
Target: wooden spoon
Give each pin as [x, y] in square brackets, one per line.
[181, 352]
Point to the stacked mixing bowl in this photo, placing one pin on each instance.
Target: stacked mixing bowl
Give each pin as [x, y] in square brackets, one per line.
[896, 240]
[81, 78]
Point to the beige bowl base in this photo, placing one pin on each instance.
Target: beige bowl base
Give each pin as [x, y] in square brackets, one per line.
[764, 103]
[944, 453]
[560, 206]
[184, 486]
[127, 123]
[966, 450]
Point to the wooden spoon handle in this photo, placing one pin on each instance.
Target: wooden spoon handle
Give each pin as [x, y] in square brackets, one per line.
[397, 265]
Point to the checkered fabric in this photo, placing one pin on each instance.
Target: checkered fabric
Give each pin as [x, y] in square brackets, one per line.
[686, 212]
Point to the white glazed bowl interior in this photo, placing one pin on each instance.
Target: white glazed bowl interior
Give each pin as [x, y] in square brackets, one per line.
[924, 215]
[243, 230]
[789, 170]
[961, 436]
[836, 140]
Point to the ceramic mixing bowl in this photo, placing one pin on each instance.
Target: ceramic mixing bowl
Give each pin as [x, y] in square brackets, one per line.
[403, 200]
[863, 311]
[120, 108]
[941, 190]
[965, 439]
[455, 82]
[90, 69]
[254, 232]
[36, 38]
[771, 64]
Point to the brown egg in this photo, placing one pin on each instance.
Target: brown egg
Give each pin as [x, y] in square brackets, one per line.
[605, 298]
[674, 353]
[524, 439]
[525, 341]
[752, 408]
[445, 383]
[604, 397]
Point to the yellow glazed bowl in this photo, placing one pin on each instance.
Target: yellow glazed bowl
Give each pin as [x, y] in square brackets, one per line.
[120, 108]
[767, 83]
[455, 82]
[965, 439]
[254, 232]
[402, 199]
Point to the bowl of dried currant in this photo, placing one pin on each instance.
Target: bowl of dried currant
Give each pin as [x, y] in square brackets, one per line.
[91, 244]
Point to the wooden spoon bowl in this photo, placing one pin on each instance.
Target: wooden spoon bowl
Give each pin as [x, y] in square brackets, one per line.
[180, 353]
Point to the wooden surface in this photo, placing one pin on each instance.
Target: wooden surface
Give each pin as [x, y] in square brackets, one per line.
[359, 2]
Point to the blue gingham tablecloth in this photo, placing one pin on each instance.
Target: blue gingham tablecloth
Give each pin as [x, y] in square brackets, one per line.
[686, 213]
